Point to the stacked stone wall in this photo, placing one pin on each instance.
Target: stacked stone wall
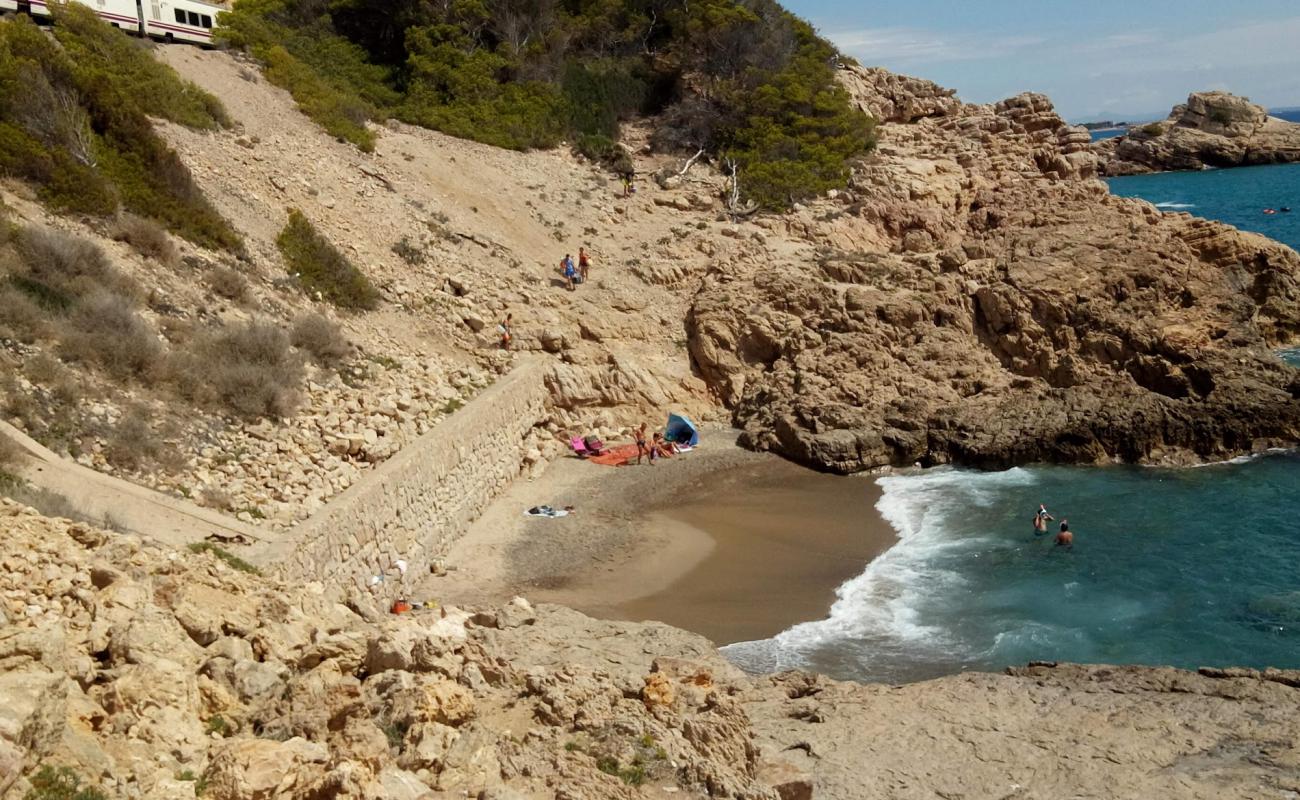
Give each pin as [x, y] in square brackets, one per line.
[413, 506]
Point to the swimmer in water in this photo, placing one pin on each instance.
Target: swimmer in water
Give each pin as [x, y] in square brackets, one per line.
[1041, 519]
[1064, 538]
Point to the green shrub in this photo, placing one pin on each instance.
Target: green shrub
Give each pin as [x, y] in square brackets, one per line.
[799, 131]
[22, 317]
[328, 76]
[104, 56]
[737, 77]
[1154, 129]
[217, 724]
[604, 150]
[341, 114]
[74, 121]
[61, 783]
[410, 252]
[321, 268]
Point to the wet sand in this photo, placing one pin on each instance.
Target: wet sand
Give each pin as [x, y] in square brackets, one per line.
[730, 544]
[783, 539]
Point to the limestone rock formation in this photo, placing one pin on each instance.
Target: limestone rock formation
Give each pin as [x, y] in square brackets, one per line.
[1213, 129]
[977, 298]
[155, 674]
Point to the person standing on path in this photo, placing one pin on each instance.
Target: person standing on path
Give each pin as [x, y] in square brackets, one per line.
[584, 263]
[567, 268]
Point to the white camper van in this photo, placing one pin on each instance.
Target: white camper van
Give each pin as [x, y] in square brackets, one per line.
[170, 20]
[8, 5]
[180, 20]
[119, 13]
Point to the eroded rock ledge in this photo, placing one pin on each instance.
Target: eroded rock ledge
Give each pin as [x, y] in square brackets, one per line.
[979, 298]
[150, 673]
[1213, 129]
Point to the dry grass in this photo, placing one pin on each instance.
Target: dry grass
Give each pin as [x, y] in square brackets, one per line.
[11, 455]
[217, 498]
[249, 370]
[228, 283]
[106, 331]
[70, 265]
[21, 318]
[147, 238]
[321, 338]
[132, 444]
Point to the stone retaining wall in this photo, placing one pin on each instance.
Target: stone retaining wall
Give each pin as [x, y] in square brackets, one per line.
[413, 506]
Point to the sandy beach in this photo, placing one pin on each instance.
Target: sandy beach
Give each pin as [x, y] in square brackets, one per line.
[728, 543]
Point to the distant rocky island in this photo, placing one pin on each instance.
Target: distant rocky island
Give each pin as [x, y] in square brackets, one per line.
[1212, 129]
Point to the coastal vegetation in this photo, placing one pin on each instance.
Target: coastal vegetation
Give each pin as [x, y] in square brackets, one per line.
[741, 80]
[321, 268]
[74, 122]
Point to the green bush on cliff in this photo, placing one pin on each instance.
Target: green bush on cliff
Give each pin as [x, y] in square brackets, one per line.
[321, 268]
[740, 79]
[61, 783]
[74, 121]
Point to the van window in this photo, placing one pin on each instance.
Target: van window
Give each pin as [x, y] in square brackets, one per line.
[206, 21]
[180, 16]
[194, 19]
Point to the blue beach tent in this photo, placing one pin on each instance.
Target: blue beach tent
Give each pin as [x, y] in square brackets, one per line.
[681, 430]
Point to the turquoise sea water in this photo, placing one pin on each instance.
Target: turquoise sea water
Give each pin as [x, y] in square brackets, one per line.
[1189, 567]
[1236, 196]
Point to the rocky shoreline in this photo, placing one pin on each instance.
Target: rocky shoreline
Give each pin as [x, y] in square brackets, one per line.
[1211, 130]
[150, 673]
[1011, 311]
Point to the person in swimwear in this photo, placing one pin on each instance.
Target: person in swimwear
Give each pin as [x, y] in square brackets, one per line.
[1041, 519]
[1064, 538]
[641, 448]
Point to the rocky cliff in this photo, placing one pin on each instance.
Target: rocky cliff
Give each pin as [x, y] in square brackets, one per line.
[1213, 129]
[977, 297]
[148, 673]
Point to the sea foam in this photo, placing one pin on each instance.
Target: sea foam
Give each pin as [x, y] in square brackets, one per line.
[878, 614]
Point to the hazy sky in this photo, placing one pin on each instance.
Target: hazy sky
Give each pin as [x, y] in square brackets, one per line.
[1094, 58]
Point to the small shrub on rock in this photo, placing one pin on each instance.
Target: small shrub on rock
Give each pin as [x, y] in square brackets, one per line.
[147, 238]
[10, 454]
[50, 783]
[322, 268]
[105, 330]
[249, 370]
[216, 724]
[132, 444]
[228, 283]
[67, 265]
[321, 338]
[410, 252]
[21, 318]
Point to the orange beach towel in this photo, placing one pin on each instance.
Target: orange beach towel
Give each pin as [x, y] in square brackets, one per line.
[618, 456]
